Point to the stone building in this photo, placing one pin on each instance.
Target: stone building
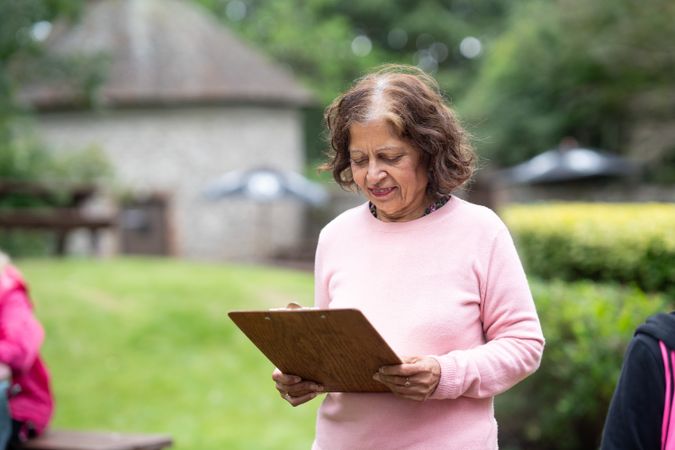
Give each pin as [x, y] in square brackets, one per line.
[182, 102]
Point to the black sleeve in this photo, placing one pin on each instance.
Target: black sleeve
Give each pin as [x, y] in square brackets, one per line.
[636, 410]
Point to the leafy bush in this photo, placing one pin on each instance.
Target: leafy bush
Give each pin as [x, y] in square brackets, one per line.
[26, 159]
[628, 243]
[587, 328]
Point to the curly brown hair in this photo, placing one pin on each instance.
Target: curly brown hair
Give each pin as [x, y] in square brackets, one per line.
[412, 102]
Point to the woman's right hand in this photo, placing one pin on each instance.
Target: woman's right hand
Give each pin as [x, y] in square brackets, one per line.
[294, 389]
[5, 372]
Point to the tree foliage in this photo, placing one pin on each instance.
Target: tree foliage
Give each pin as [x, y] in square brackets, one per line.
[316, 38]
[329, 43]
[22, 155]
[17, 20]
[570, 67]
[547, 69]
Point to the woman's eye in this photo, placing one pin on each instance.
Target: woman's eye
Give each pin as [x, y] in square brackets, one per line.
[358, 162]
[393, 159]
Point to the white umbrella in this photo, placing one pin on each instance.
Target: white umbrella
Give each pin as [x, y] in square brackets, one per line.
[265, 185]
[560, 165]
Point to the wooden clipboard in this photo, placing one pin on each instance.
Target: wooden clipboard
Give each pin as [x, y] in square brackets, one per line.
[338, 348]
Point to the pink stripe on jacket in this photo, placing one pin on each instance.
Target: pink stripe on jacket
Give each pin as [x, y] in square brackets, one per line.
[668, 423]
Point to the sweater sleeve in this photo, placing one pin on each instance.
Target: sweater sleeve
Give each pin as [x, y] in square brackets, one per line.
[321, 297]
[514, 340]
[636, 410]
[21, 335]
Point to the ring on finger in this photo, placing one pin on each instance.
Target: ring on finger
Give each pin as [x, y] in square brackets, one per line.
[287, 396]
[407, 382]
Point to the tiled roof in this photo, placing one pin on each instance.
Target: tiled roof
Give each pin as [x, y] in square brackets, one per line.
[163, 52]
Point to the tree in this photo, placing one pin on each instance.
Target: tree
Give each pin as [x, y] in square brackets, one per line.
[570, 67]
[19, 38]
[23, 156]
[23, 24]
[329, 43]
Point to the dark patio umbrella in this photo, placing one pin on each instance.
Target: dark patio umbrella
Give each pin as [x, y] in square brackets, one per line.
[266, 185]
[568, 164]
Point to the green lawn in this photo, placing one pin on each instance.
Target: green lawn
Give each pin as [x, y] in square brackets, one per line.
[144, 345]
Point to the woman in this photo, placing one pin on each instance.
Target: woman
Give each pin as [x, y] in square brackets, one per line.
[438, 277]
[26, 402]
[642, 412]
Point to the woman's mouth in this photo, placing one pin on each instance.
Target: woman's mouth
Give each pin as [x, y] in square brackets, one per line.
[381, 192]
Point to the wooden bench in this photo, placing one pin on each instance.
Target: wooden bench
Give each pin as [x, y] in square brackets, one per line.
[97, 440]
[60, 211]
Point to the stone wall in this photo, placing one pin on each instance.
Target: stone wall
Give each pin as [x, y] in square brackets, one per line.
[176, 152]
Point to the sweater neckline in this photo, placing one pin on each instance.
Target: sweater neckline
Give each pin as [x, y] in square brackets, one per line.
[416, 224]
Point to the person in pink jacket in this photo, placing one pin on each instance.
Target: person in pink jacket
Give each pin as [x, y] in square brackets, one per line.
[26, 402]
[437, 276]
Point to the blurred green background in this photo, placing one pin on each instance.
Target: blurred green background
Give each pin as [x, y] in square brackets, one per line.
[145, 345]
[523, 74]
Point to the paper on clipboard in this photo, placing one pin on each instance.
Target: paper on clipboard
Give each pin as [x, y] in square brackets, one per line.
[337, 348]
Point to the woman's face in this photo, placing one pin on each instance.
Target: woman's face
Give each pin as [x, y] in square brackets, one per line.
[388, 170]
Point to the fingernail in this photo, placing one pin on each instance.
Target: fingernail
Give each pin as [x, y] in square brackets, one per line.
[381, 370]
[318, 388]
[297, 379]
[376, 377]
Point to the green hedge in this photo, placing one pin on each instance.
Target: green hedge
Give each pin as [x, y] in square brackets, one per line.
[628, 243]
[587, 328]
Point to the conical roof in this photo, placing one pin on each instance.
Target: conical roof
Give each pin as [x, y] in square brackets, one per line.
[163, 52]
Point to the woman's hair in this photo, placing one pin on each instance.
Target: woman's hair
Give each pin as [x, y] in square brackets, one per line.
[411, 101]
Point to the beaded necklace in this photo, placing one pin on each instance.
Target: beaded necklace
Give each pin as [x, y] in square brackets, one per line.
[431, 208]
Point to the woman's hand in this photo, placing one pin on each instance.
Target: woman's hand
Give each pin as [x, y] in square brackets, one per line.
[5, 372]
[294, 389]
[415, 379]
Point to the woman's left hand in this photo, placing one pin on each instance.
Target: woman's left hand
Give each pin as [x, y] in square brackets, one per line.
[415, 379]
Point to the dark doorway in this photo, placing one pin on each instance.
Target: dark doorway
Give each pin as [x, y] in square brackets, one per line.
[144, 226]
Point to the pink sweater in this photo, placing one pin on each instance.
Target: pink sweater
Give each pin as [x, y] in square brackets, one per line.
[449, 285]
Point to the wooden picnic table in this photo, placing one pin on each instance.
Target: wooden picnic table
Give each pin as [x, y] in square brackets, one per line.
[60, 209]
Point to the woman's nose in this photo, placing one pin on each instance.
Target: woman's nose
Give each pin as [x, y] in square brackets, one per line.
[375, 172]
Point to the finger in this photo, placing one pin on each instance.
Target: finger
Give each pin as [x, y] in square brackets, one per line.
[304, 388]
[395, 380]
[398, 384]
[298, 389]
[401, 370]
[417, 393]
[410, 359]
[299, 400]
[290, 386]
[414, 397]
[417, 389]
[284, 378]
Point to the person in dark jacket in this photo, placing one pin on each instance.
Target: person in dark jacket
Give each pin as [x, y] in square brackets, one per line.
[641, 410]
